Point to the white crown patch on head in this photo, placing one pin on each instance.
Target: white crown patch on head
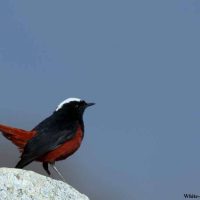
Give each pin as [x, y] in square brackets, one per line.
[67, 101]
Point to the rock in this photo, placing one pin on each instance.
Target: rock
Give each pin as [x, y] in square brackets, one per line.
[17, 184]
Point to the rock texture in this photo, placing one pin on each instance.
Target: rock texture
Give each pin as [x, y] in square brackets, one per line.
[17, 184]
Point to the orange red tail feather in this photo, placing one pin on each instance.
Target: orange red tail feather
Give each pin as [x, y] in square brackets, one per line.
[18, 136]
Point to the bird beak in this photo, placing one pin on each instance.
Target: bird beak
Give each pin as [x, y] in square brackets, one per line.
[90, 104]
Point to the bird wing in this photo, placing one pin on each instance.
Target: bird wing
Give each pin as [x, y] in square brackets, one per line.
[45, 141]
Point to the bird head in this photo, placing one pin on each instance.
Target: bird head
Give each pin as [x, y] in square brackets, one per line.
[73, 106]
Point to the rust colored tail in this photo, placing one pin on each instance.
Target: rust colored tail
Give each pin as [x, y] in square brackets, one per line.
[18, 136]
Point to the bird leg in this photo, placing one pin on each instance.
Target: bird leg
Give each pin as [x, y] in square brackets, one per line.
[56, 170]
[46, 168]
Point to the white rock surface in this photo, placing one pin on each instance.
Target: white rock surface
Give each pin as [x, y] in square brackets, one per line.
[17, 184]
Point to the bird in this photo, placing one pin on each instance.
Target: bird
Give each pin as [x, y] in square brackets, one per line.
[55, 138]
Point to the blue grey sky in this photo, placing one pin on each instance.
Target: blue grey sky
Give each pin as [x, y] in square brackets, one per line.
[138, 60]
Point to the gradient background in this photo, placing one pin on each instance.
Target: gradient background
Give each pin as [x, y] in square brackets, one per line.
[138, 60]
